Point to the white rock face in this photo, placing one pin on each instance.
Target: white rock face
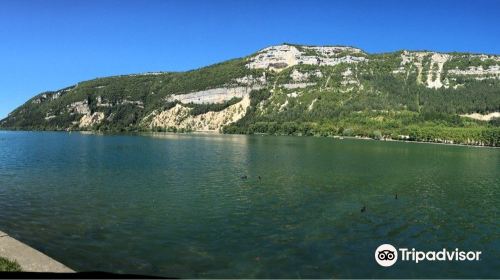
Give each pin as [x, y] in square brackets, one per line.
[216, 95]
[348, 78]
[332, 50]
[283, 56]
[298, 85]
[437, 61]
[171, 117]
[250, 80]
[298, 76]
[344, 59]
[492, 71]
[80, 107]
[482, 117]
[179, 116]
[275, 57]
[414, 58]
[90, 120]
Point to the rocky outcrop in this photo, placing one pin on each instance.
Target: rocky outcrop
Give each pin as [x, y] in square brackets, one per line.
[279, 57]
[298, 76]
[298, 85]
[432, 64]
[490, 72]
[80, 107]
[250, 80]
[49, 96]
[216, 95]
[180, 117]
[481, 117]
[435, 70]
[90, 120]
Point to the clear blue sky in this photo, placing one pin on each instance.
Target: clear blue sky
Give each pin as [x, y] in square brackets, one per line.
[47, 45]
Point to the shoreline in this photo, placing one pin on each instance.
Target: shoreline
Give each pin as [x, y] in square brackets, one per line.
[419, 142]
[215, 132]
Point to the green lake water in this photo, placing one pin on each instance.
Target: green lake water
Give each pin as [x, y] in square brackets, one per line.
[175, 205]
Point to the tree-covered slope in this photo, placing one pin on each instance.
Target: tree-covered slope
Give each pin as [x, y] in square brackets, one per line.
[292, 89]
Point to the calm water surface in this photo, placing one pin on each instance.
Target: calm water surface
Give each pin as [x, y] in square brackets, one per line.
[174, 205]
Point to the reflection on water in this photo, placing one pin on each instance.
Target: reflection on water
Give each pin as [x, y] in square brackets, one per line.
[175, 204]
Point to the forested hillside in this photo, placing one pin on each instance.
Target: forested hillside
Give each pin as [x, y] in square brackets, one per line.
[292, 90]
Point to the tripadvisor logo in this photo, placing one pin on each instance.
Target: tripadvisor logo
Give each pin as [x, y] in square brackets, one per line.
[387, 255]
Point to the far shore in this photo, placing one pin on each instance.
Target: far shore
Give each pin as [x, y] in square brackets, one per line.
[215, 132]
[418, 142]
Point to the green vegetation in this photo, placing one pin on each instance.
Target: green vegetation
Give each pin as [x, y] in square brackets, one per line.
[465, 61]
[382, 125]
[199, 109]
[9, 266]
[149, 89]
[386, 107]
[366, 99]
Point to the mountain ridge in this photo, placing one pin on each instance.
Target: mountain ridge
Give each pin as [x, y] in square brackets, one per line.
[291, 89]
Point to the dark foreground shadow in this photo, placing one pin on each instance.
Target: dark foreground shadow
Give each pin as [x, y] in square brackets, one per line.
[76, 275]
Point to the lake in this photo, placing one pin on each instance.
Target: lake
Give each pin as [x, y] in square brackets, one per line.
[175, 204]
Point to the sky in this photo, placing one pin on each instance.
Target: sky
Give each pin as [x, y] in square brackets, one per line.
[51, 44]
